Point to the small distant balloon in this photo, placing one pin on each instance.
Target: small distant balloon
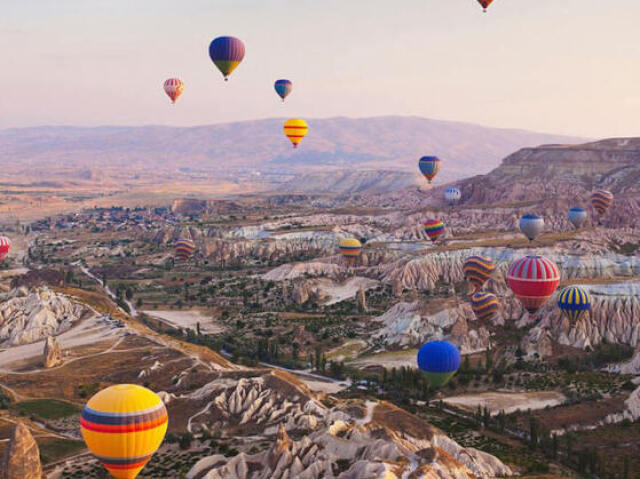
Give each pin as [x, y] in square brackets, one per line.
[452, 195]
[173, 87]
[531, 226]
[577, 216]
[295, 129]
[574, 302]
[5, 246]
[226, 53]
[429, 167]
[601, 201]
[484, 305]
[184, 248]
[350, 249]
[477, 270]
[283, 88]
[440, 360]
[485, 4]
[433, 229]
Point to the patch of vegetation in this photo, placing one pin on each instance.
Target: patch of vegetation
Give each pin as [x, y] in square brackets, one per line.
[55, 449]
[45, 409]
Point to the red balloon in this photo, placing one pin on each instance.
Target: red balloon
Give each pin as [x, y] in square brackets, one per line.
[533, 279]
[485, 4]
[5, 246]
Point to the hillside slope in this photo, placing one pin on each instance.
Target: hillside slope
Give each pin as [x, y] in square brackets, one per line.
[380, 142]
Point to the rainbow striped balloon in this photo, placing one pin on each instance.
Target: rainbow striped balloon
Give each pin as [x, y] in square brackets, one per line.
[433, 229]
[573, 302]
[485, 305]
[477, 270]
[185, 248]
[123, 426]
[350, 248]
[601, 200]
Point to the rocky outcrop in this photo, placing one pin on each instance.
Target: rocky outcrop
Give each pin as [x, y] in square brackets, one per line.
[368, 447]
[22, 456]
[188, 206]
[52, 352]
[409, 324]
[29, 316]
[361, 300]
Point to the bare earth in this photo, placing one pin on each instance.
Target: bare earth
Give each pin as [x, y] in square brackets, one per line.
[188, 319]
[507, 402]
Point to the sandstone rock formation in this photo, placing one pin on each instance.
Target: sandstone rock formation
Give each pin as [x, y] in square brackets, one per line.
[343, 447]
[52, 352]
[22, 456]
[361, 300]
[408, 324]
[29, 316]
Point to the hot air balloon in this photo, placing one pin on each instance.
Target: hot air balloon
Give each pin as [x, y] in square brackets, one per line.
[601, 200]
[295, 129]
[429, 166]
[226, 53]
[577, 216]
[283, 88]
[452, 195]
[477, 270]
[185, 248]
[531, 226]
[533, 279]
[573, 302]
[433, 229]
[123, 426]
[485, 4]
[440, 360]
[484, 305]
[5, 246]
[350, 248]
[173, 87]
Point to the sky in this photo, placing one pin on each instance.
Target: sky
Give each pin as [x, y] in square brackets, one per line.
[559, 66]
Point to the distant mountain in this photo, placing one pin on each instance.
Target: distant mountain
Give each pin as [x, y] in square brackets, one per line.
[383, 142]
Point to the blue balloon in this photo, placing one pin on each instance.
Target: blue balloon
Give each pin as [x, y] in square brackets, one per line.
[439, 357]
[578, 216]
[283, 88]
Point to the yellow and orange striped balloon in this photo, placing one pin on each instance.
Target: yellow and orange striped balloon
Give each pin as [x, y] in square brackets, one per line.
[123, 426]
[295, 129]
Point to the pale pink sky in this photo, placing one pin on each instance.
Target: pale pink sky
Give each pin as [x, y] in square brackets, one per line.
[562, 66]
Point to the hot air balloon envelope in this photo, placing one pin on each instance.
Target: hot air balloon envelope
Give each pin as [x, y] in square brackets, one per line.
[283, 88]
[5, 246]
[485, 305]
[429, 166]
[440, 360]
[226, 53]
[173, 87]
[350, 248]
[533, 279]
[485, 4]
[452, 195]
[433, 229]
[531, 226]
[477, 270]
[601, 201]
[573, 302]
[123, 426]
[185, 248]
[577, 216]
[295, 129]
